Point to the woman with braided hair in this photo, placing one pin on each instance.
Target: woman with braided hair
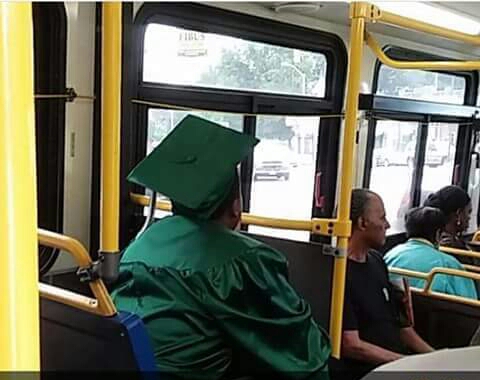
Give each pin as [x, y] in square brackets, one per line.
[456, 205]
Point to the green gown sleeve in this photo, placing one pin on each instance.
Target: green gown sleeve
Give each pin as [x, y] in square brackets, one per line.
[264, 319]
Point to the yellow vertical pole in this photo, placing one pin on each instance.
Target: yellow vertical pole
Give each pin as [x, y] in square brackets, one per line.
[110, 156]
[357, 30]
[19, 305]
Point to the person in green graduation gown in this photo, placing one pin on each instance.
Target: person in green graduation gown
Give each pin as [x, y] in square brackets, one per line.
[216, 304]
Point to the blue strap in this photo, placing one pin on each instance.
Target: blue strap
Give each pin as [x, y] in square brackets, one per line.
[139, 340]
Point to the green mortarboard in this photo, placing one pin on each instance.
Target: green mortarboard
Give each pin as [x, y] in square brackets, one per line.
[195, 164]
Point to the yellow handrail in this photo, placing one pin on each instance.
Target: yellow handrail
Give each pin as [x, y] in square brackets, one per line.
[460, 252]
[451, 272]
[357, 30]
[424, 65]
[102, 304]
[472, 268]
[428, 277]
[377, 15]
[19, 309]
[408, 273]
[447, 297]
[476, 237]
[110, 152]
[327, 227]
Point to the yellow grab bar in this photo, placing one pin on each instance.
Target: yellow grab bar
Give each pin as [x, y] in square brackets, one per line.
[423, 65]
[67, 297]
[377, 15]
[328, 227]
[357, 30]
[451, 272]
[408, 273]
[428, 277]
[65, 243]
[299, 225]
[460, 252]
[447, 297]
[19, 314]
[472, 268]
[102, 304]
[110, 152]
[476, 237]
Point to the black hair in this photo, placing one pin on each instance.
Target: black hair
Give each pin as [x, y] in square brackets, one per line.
[359, 203]
[424, 222]
[449, 199]
[233, 195]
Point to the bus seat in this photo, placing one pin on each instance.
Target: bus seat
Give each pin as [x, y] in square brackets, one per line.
[444, 324]
[76, 340]
[462, 363]
[475, 341]
[310, 273]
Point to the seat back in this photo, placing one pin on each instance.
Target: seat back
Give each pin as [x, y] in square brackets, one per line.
[310, 273]
[76, 340]
[442, 323]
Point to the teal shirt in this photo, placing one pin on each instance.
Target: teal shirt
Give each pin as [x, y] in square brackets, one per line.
[421, 256]
[216, 303]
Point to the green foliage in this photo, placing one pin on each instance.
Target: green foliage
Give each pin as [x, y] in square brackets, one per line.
[269, 69]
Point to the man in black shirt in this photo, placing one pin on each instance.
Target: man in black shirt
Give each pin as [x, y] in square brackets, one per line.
[372, 330]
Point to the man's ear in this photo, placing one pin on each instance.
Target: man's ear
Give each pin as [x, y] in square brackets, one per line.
[361, 223]
[237, 208]
[236, 213]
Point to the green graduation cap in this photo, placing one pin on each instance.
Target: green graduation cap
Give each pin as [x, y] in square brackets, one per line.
[194, 165]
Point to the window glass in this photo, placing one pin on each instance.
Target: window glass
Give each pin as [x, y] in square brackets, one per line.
[161, 122]
[421, 85]
[474, 183]
[284, 171]
[439, 157]
[184, 57]
[392, 168]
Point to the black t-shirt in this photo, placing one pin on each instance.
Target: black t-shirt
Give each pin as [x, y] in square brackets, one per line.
[370, 308]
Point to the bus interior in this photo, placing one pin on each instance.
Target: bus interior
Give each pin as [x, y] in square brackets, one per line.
[341, 96]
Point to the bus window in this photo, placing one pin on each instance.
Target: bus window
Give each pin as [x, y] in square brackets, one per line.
[421, 85]
[260, 76]
[183, 57]
[162, 121]
[284, 171]
[392, 168]
[439, 157]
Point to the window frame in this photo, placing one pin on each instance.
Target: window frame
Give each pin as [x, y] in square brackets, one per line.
[50, 53]
[399, 53]
[424, 112]
[209, 19]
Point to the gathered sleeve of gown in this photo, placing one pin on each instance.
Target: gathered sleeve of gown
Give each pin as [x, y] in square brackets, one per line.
[264, 318]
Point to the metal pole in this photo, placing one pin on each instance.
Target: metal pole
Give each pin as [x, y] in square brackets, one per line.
[353, 88]
[19, 305]
[111, 94]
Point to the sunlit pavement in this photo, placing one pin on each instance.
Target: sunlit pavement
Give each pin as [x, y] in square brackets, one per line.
[393, 185]
[284, 199]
